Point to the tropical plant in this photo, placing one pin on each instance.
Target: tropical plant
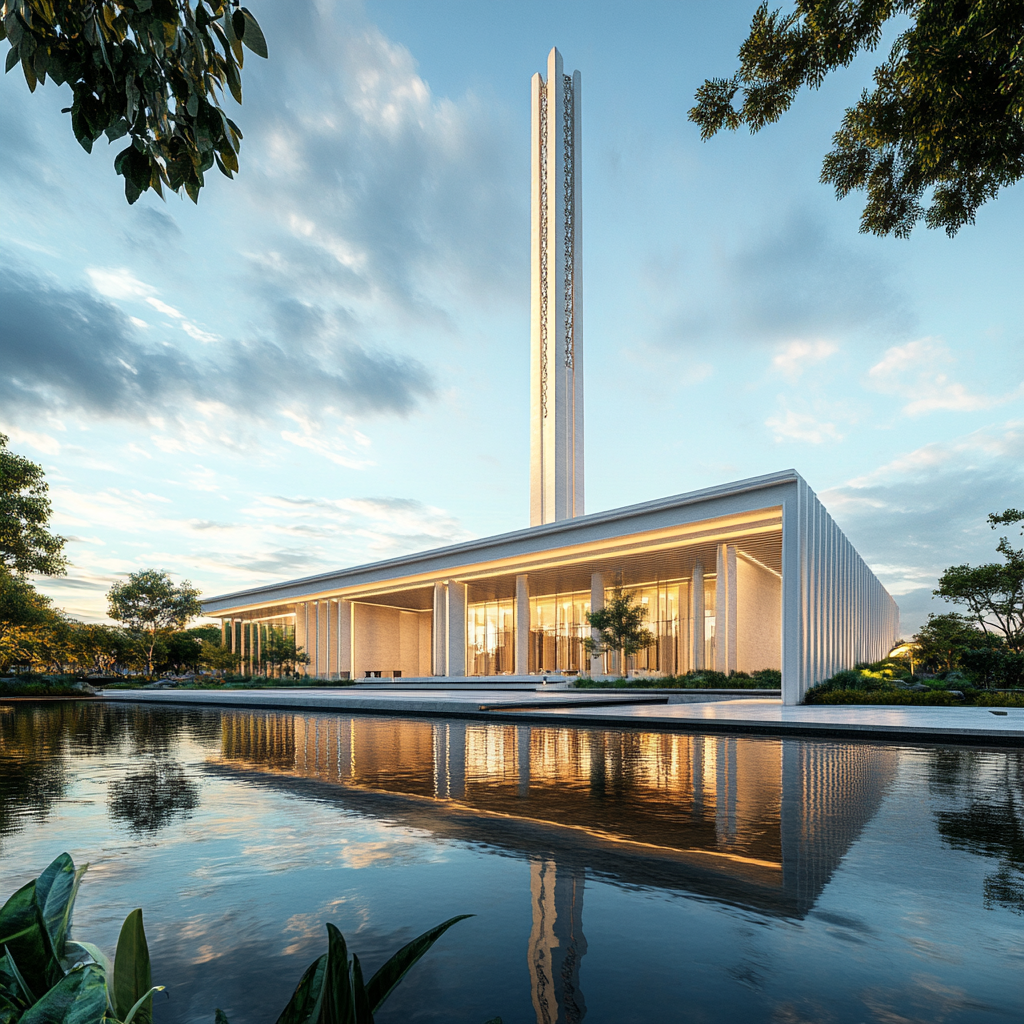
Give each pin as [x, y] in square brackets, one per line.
[332, 990]
[148, 69]
[46, 978]
[944, 118]
[619, 627]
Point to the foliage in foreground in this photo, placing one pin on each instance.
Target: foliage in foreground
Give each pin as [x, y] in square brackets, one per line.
[943, 119]
[46, 978]
[765, 679]
[149, 69]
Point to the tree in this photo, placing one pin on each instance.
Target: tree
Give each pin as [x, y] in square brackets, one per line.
[945, 115]
[147, 69]
[280, 652]
[26, 546]
[994, 593]
[944, 640]
[149, 602]
[620, 628]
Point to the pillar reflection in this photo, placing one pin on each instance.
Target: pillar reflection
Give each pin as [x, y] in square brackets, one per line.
[557, 943]
[756, 821]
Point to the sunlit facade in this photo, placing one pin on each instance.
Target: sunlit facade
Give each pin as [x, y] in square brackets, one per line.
[741, 577]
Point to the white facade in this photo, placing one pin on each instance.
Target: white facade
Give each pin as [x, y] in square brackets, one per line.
[741, 577]
[556, 336]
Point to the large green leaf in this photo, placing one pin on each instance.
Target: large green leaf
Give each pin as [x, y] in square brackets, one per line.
[56, 889]
[24, 934]
[132, 979]
[78, 998]
[383, 983]
[304, 1005]
[338, 1004]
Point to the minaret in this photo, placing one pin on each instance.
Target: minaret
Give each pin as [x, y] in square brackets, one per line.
[556, 349]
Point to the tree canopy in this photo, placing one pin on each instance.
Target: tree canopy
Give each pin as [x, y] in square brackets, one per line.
[26, 546]
[151, 70]
[620, 627]
[941, 131]
[150, 602]
[993, 593]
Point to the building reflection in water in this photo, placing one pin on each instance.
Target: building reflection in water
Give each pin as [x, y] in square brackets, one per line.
[756, 822]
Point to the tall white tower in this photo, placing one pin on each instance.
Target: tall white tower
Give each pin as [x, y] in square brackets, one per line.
[556, 349]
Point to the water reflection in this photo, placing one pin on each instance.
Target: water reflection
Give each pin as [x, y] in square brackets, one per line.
[989, 820]
[38, 741]
[149, 799]
[756, 822]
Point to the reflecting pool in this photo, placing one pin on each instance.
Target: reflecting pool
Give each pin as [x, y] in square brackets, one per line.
[615, 875]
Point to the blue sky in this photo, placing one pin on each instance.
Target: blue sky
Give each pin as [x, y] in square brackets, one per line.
[326, 361]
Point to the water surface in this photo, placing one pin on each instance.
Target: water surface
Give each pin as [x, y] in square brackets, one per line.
[616, 875]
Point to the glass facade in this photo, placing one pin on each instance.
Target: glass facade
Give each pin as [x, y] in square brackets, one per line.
[491, 638]
[558, 627]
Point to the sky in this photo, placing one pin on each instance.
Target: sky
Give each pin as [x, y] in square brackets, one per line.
[325, 362]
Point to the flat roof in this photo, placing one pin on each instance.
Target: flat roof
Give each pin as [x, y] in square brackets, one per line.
[676, 510]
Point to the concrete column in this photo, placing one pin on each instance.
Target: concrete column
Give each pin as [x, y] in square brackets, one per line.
[346, 640]
[234, 649]
[596, 605]
[697, 616]
[457, 593]
[725, 609]
[302, 633]
[682, 630]
[223, 632]
[330, 649]
[522, 626]
[259, 644]
[439, 636]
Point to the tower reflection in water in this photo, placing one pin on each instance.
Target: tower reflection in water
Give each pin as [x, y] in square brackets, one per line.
[760, 823]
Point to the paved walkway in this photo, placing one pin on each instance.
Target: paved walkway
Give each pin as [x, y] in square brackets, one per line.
[587, 708]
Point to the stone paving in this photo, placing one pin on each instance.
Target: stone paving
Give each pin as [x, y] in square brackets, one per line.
[714, 713]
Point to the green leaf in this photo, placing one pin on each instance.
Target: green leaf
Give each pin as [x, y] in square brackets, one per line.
[361, 1001]
[304, 1004]
[254, 37]
[24, 935]
[76, 953]
[132, 980]
[338, 1004]
[12, 59]
[140, 1004]
[219, 1016]
[384, 982]
[23, 986]
[56, 889]
[78, 998]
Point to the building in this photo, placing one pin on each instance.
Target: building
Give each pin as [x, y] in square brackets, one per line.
[741, 577]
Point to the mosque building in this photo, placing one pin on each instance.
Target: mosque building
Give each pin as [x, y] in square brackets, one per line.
[743, 576]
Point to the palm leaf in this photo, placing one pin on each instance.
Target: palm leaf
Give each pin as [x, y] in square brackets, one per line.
[383, 983]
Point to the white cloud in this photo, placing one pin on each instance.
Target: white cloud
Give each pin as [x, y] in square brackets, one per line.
[40, 442]
[162, 307]
[915, 372]
[796, 356]
[118, 283]
[795, 426]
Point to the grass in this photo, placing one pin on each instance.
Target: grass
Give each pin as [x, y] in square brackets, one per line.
[765, 679]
